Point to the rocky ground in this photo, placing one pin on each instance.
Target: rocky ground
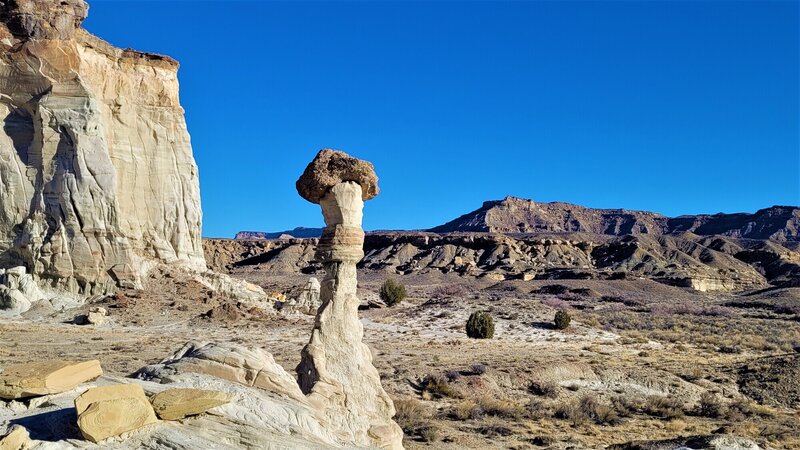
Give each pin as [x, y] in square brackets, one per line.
[641, 361]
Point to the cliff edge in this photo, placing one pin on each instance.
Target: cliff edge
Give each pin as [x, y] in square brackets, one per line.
[97, 177]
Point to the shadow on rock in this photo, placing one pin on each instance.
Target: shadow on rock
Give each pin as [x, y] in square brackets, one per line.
[51, 426]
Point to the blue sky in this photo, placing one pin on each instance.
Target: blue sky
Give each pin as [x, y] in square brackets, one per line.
[676, 107]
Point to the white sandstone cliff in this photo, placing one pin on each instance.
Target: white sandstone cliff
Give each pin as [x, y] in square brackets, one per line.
[97, 177]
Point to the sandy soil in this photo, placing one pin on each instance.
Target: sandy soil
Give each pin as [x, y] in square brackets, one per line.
[618, 352]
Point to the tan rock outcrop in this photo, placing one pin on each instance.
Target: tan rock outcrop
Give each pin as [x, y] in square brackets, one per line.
[303, 300]
[97, 176]
[17, 438]
[177, 403]
[248, 366]
[109, 411]
[336, 370]
[45, 377]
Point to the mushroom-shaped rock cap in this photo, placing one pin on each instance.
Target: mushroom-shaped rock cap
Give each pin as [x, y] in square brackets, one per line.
[332, 167]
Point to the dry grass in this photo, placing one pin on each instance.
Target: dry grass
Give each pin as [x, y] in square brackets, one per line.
[437, 387]
[486, 406]
[415, 420]
[547, 389]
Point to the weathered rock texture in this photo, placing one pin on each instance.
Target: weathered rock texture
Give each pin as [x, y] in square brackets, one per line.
[45, 377]
[705, 263]
[332, 167]
[248, 366]
[109, 411]
[177, 403]
[97, 176]
[336, 370]
[303, 300]
[17, 438]
[18, 290]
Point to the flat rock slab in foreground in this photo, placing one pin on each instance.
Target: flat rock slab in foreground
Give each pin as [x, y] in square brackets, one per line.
[177, 403]
[46, 377]
[109, 411]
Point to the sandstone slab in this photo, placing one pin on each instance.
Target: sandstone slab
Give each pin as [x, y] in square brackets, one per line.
[177, 403]
[109, 411]
[17, 438]
[45, 377]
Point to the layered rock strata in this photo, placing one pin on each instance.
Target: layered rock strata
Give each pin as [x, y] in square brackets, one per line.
[97, 177]
[704, 263]
[336, 370]
[514, 215]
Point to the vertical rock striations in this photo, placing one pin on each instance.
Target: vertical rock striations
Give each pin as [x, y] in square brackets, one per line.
[336, 370]
[97, 176]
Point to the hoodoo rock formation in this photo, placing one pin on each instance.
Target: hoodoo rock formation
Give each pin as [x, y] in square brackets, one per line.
[336, 370]
[97, 177]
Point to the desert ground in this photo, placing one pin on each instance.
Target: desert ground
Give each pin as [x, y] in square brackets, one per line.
[640, 361]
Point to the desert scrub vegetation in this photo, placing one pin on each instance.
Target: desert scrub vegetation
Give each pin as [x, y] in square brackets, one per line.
[547, 389]
[561, 320]
[416, 420]
[588, 409]
[392, 292]
[707, 328]
[480, 325]
[436, 387]
[486, 406]
[710, 406]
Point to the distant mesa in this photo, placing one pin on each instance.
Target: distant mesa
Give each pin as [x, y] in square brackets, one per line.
[297, 233]
[514, 215]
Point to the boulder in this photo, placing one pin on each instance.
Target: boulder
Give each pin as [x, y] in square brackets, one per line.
[95, 316]
[108, 411]
[17, 438]
[331, 167]
[45, 377]
[18, 290]
[177, 403]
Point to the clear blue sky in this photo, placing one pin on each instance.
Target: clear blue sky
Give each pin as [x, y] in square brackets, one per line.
[676, 107]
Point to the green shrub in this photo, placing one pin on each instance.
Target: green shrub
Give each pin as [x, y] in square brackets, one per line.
[480, 325]
[562, 320]
[392, 292]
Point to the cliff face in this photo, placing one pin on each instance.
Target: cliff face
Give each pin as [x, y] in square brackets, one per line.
[517, 215]
[97, 177]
